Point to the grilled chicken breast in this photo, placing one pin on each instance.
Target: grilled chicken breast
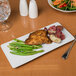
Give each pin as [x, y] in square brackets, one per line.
[37, 38]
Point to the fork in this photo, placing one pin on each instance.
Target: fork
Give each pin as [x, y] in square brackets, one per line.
[65, 55]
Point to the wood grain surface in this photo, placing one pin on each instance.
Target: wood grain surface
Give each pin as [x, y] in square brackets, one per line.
[50, 64]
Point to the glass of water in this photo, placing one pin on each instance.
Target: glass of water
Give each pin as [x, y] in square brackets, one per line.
[5, 11]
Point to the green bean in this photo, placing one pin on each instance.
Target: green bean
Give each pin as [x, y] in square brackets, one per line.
[19, 44]
[26, 54]
[14, 49]
[17, 47]
[20, 48]
[37, 46]
[17, 40]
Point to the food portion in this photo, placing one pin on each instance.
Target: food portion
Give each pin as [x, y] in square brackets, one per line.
[67, 5]
[18, 47]
[46, 36]
[55, 33]
[55, 39]
[37, 38]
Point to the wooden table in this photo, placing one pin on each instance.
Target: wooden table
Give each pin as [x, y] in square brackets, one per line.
[50, 64]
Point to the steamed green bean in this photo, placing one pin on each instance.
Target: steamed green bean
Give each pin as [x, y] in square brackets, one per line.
[26, 53]
[18, 47]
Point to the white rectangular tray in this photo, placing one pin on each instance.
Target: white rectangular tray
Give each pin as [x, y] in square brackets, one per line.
[17, 61]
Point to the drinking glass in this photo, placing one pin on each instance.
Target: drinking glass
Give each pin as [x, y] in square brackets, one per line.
[5, 11]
